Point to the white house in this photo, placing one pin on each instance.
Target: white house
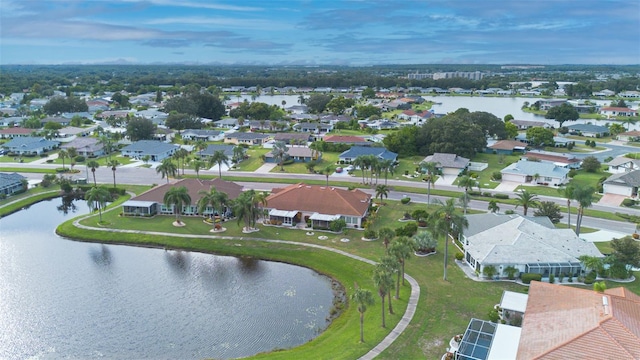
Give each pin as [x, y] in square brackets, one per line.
[623, 183]
[623, 164]
[618, 111]
[156, 150]
[448, 164]
[541, 172]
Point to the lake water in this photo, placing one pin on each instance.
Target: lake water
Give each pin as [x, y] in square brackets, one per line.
[65, 299]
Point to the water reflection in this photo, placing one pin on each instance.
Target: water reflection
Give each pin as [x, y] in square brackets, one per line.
[249, 265]
[101, 256]
[178, 261]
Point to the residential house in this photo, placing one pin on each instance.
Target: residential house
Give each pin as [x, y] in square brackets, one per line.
[315, 128]
[56, 119]
[527, 245]
[346, 139]
[297, 154]
[564, 160]
[297, 109]
[588, 130]
[633, 135]
[151, 202]
[156, 150]
[618, 111]
[629, 94]
[11, 183]
[527, 124]
[11, 121]
[622, 183]
[72, 131]
[320, 205]
[213, 148]
[380, 124]
[546, 104]
[540, 172]
[293, 138]
[248, 138]
[558, 322]
[448, 164]
[202, 134]
[623, 164]
[604, 93]
[416, 118]
[558, 141]
[507, 147]
[86, 146]
[347, 157]
[228, 123]
[28, 145]
[13, 132]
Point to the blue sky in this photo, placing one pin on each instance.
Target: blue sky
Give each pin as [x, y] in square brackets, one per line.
[282, 32]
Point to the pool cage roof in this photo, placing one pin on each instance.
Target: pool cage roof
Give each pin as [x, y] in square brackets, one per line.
[476, 342]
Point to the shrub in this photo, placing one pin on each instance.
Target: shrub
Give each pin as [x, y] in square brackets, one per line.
[493, 315]
[628, 202]
[370, 234]
[79, 158]
[528, 277]
[552, 279]
[501, 196]
[337, 225]
[509, 212]
[497, 175]
[459, 256]
[474, 193]
[49, 161]
[487, 194]
[408, 230]
[405, 200]
[590, 278]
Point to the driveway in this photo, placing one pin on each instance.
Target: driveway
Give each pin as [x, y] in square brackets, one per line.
[611, 199]
[266, 168]
[446, 180]
[507, 186]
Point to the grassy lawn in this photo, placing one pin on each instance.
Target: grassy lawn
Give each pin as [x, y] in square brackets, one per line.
[123, 160]
[14, 159]
[31, 196]
[496, 163]
[406, 165]
[328, 158]
[254, 161]
[27, 170]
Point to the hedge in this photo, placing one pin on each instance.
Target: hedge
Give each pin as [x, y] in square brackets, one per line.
[528, 277]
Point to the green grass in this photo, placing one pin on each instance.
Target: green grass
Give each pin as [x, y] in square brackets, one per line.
[27, 170]
[328, 158]
[254, 161]
[15, 159]
[496, 163]
[583, 230]
[32, 196]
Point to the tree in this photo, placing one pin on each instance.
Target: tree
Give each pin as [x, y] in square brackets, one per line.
[73, 153]
[182, 156]
[616, 129]
[114, 164]
[178, 121]
[424, 242]
[626, 251]
[539, 136]
[362, 298]
[567, 192]
[140, 128]
[429, 168]
[245, 208]
[390, 265]
[198, 164]
[214, 198]
[467, 183]
[450, 134]
[444, 220]
[93, 165]
[493, 206]
[508, 118]
[238, 153]
[339, 104]
[97, 198]
[401, 249]
[511, 130]
[562, 113]
[550, 210]
[368, 93]
[219, 158]
[592, 263]
[63, 154]
[280, 153]
[317, 103]
[383, 281]
[526, 199]
[177, 197]
[490, 124]
[382, 191]
[387, 167]
[327, 171]
[367, 111]
[167, 168]
[584, 196]
[386, 234]
[591, 164]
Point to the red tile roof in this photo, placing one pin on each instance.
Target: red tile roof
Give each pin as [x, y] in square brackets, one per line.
[344, 139]
[320, 199]
[508, 145]
[16, 131]
[193, 186]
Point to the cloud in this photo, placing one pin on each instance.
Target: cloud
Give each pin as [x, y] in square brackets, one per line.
[196, 5]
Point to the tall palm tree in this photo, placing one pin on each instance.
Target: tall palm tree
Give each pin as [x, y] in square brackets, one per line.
[391, 265]
[214, 198]
[584, 196]
[245, 209]
[382, 191]
[567, 192]
[260, 200]
[383, 281]
[200, 146]
[238, 153]
[430, 169]
[181, 154]
[372, 164]
[167, 168]
[327, 171]
[219, 158]
[401, 249]
[97, 198]
[526, 199]
[467, 183]
[280, 152]
[73, 153]
[177, 196]
[114, 164]
[362, 298]
[387, 167]
[63, 154]
[386, 234]
[93, 165]
[360, 162]
[197, 166]
[444, 220]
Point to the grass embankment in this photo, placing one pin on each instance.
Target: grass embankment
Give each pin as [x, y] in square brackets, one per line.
[18, 202]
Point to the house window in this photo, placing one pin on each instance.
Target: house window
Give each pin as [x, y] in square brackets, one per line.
[548, 179]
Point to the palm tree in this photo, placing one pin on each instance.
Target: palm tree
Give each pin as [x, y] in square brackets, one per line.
[200, 146]
[197, 166]
[245, 209]
[63, 154]
[214, 198]
[444, 219]
[362, 298]
[181, 154]
[238, 153]
[327, 171]
[280, 153]
[526, 199]
[493, 206]
[73, 153]
[93, 165]
[97, 198]
[584, 196]
[219, 158]
[260, 199]
[401, 249]
[177, 196]
[467, 183]
[167, 168]
[372, 164]
[360, 162]
[382, 191]
[114, 164]
[430, 169]
[567, 192]
[383, 281]
[386, 165]
[386, 234]
[591, 262]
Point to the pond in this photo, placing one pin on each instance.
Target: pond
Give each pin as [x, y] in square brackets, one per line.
[67, 299]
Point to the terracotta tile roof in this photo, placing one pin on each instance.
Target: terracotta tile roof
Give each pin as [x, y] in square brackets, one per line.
[552, 158]
[508, 145]
[193, 186]
[563, 322]
[344, 139]
[320, 199]
[17, 131]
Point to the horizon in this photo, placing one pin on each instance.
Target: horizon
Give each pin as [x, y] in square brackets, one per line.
[319, 33]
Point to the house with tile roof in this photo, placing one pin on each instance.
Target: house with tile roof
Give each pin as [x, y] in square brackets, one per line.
[564, 160]
[633, 135]
[11, 183]
[297, 154]
[346, 139]
[507, 147]
[380, 153]
[202, 134]
[86, 146]
[448, 164]
[527, 124]
[623, 183]
[291, 138]
[156, 150]
[529, 246]
[559, 322]
[618, 111]
[29, 145]
[212, 148]
[319, 204]
[13, 132]
[540, 172]
[151, 202]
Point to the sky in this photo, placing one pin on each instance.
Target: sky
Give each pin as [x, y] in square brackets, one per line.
[319, 32]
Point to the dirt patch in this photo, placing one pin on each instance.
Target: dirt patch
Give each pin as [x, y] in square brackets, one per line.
[429, 345]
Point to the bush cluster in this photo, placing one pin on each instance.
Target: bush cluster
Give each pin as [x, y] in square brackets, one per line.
[405, 200]
[501, 196]
[408, 230]
[528, 277]
[370, 234]
[628, 202]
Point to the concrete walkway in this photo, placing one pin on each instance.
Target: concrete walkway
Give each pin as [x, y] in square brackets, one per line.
[385, 343]
[265, 168]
